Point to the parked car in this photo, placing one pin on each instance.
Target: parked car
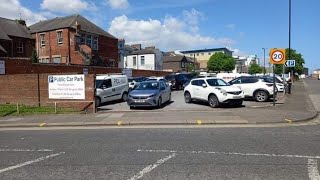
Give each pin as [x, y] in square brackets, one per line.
[149, 93]
[153, 78]
[110, 88]
[213, 90]
[178, 80]
[135, 81]
[279, 84]
[254, 87]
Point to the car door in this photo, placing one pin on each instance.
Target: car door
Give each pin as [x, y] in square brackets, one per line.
[164, 92]
[106, 93]
[200, 91]
[238, 82]
[194, 88]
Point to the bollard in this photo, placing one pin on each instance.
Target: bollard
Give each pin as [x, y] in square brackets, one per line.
[18, 110]
[289, 86]
[55, 108]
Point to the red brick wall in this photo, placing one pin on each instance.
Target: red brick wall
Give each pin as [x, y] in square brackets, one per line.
[108, 49]
[23, 89]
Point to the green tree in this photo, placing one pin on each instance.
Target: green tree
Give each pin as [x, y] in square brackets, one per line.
[34, 56]
[255, 69]
[221, 62]
[191, 67]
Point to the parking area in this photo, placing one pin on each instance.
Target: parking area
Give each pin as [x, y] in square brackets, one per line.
[177, 104]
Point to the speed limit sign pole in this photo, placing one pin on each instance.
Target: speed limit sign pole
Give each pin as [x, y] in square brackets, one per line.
[277, 56]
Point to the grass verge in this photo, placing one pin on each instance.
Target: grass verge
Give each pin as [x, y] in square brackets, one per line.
[9, 109]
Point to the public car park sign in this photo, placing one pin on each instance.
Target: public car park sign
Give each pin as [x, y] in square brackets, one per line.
[66, 87]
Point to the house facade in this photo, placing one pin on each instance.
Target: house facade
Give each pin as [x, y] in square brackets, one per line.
[149, 58]
[15, 39]
[175, 62]
[74, 40]
[202, 56]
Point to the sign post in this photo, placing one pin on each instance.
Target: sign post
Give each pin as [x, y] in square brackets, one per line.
[277, 56]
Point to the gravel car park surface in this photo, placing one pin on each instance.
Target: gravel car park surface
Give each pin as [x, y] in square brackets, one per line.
[176, 104]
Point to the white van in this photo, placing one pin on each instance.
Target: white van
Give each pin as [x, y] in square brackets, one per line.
[110, 88]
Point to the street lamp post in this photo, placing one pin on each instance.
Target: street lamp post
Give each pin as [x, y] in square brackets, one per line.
[264, 61]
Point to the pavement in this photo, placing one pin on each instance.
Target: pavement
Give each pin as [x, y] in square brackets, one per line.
[291, 108]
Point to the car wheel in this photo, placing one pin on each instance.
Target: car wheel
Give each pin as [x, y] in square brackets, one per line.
[213, 101]
[97, 101]
[159, 102]
[261, 96]
[187, 97]
[125, 97]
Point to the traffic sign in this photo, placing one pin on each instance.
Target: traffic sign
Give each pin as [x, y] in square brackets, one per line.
[277, 56]
[290, 63]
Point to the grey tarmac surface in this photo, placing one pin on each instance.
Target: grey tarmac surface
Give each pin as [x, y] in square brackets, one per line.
[186, 153]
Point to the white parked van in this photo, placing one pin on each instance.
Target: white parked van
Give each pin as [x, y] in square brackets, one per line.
[110, 88]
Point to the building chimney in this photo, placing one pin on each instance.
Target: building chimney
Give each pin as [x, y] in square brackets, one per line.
[137, 46]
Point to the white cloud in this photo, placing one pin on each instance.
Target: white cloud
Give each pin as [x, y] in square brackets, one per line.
[192, 17]
[11, 9]
[238, 52]
[118, 4]
[171, 34]
[231, 26]
[73, 6]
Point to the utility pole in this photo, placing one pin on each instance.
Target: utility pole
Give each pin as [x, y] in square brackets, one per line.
[289, 53]
[264, 61]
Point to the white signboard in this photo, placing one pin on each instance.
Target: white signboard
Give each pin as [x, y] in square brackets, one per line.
[66, 87]
[2, 67]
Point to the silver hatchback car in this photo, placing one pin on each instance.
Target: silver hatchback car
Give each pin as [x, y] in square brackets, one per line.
[149, 93]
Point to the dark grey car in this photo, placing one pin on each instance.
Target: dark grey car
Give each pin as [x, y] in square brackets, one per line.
[149, 93]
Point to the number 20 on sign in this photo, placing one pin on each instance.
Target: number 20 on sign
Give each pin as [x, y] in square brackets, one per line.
[277, 56]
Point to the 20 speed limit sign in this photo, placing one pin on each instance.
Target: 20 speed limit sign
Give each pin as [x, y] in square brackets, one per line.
[277, 56]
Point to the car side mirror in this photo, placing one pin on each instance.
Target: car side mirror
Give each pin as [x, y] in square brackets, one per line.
[230, 83]
[204, 85]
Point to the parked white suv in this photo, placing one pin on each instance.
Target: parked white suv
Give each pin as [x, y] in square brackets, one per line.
[254, 87]
[213, 90]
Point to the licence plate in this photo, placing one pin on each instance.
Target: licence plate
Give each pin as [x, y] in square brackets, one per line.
[237, 97]
[139, 101]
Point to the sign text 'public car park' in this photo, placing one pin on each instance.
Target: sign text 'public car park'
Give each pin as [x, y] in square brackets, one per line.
[66, 87]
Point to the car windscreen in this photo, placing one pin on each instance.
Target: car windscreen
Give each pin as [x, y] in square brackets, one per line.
[217, 82]
[151, 80]
[148, 86]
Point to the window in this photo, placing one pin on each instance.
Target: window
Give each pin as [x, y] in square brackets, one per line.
[89, 40]
[162, 85]
[19, 47]
[56, 60]
[42, 40]
[44, 60]
[217, 82]
[195, 82]
[83, 39]
[60, 37]
[104, 83]
[134, 61]
[183, 64]
[142, 61]
[236, 81]
[95, 43]
[198, 82]
[249, 80]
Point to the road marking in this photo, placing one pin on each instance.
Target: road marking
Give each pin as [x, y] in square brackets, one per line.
[152, 166]
[313, 169]
[234, 153]
[288, 120]
[26, 150]
[119, 123]
[199, 122]
[42, 124]
[11, 120]
[29, 162]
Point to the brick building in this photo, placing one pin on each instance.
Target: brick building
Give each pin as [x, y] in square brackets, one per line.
[74, 40]
[175, 62]
[15, 39]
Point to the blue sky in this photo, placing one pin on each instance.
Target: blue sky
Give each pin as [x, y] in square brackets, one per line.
[245, 26]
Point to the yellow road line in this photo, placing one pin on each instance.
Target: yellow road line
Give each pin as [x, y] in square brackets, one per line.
[42, 124]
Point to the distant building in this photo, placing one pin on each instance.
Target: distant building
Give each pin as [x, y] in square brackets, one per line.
[176, 62]
[243, 63]
[148, 58]
[15, 39]
[74, 40]
[306, 71]
[202, 56]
